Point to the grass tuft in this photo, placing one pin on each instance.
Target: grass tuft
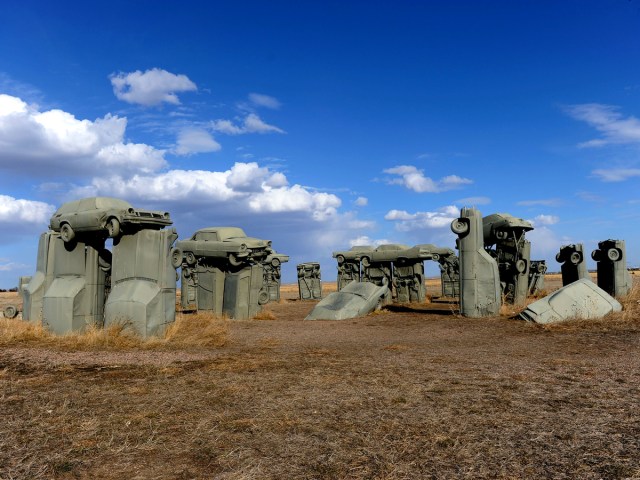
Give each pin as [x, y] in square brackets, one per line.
[264, 314]
[198, 329]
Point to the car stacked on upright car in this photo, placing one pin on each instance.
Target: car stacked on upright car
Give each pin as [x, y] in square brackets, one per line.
[111, 216]
[221, 242]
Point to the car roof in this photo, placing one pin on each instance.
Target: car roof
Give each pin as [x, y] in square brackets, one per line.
[90, 203]
[223, 232]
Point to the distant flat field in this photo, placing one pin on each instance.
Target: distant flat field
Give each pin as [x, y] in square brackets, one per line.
[411, 392]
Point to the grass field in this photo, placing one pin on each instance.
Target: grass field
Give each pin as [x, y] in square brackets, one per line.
[410, 392]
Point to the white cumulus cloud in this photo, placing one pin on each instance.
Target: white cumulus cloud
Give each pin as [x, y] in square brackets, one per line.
[55, 141]
[14, 210]
[414, 179]
[151, 87]
[246, 188]
[361, 201]
[407, 222]
[195, 140]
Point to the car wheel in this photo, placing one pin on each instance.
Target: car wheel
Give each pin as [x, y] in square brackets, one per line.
[176, 257]
[340, 259]
[10, 311]
[576, 258]
[460, 226]
[113, 227]
[234, 260]
[190, 258]
[596, 255]
[559, 257]
[263, 297]
[366, 261]
[275, 262]
[613, 254]
[521, 266]
[67, 233]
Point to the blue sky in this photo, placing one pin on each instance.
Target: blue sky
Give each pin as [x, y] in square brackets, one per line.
[320, 125]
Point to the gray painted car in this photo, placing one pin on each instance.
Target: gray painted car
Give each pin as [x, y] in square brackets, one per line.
[221, 242]
[354, 300]
[580, 299]
[111, 216]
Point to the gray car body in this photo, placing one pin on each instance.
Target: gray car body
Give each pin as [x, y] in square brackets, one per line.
[580, 299]
[93, 215]
[354, 300]
[223, 242]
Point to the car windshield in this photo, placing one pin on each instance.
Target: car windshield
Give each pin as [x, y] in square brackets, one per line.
[111, 203]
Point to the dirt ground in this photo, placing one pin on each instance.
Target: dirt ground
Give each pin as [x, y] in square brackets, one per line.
[411, 392]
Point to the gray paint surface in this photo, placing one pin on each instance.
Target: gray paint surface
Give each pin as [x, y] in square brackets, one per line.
[479, 276]
[33, 292]
[143, 292]
[244, 294]
[75, 298]
[537, 270]
[309, 281]
[272, 272]
[354, 300]
[349, 264]
[104, 216]
[504, 239]
[581, 299]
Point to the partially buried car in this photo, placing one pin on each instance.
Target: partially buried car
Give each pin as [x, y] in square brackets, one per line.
[354, 300]
[110, 216]
[229, 243]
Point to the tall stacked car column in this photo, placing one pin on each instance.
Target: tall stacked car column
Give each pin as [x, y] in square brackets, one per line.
[479, 276]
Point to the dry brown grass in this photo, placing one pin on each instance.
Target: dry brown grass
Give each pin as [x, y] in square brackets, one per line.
[400, 395]
[264, 314]
[196, 330]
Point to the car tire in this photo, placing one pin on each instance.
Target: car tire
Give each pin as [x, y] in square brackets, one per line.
[521, 265]
[575, 258]
[113, 227]
[176, 257]
[10, 311]
[275, 262]
[340, 259]
[190, 258]
[366, 261]
[596, 255]
[614, 254]
[66, 233]
[234, 260]
[460, 226]
[263, 297]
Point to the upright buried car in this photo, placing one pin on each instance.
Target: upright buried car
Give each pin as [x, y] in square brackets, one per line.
[111, 216]
[220, 242]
